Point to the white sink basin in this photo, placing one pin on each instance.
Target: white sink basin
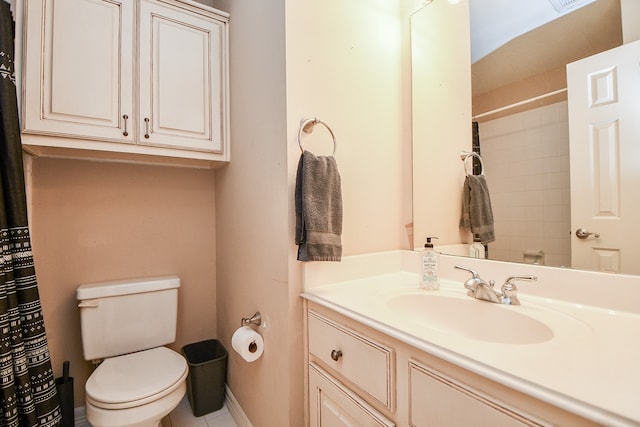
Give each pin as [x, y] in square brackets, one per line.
[450, 318]
[471, 318]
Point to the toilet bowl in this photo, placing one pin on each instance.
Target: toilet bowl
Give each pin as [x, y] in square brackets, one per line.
[126, 325]
[136, 390]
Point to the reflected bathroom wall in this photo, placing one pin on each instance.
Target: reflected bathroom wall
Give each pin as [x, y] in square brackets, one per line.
[526, 163]
[441, 101]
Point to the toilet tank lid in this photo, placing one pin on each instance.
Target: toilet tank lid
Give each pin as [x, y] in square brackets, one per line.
[125, 287]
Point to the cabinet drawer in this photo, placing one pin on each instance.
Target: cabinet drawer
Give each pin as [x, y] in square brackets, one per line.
[364, 362]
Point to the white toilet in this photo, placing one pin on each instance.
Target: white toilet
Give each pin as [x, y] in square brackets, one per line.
[127, 323]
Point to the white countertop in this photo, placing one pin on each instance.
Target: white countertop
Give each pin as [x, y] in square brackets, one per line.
[591, 366]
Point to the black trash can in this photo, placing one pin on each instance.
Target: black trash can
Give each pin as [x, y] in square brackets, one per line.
[207, 374]
[64, 387]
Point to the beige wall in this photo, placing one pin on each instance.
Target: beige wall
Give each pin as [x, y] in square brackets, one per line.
[252, 217]
[342, 64]
[102, 221]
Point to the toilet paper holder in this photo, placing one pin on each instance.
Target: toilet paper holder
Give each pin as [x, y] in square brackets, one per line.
[256, 319]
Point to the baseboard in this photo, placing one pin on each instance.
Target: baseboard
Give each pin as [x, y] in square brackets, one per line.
[235, 410]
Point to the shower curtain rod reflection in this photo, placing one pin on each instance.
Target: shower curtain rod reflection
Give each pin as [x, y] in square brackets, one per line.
[517, 104]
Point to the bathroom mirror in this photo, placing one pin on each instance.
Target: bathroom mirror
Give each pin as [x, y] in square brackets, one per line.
[529, 65]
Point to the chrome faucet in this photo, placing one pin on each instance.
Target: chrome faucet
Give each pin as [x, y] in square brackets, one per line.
[478, 288]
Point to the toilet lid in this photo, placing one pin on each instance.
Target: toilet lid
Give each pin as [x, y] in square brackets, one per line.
[136, 376]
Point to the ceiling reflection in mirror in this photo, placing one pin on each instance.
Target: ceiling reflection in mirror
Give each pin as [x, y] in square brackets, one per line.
[519, 99]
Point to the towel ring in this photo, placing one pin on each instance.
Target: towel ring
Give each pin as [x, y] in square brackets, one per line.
[464, 155]
[307, 125]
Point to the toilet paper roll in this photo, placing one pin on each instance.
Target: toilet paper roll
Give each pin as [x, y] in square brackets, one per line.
[247, 343]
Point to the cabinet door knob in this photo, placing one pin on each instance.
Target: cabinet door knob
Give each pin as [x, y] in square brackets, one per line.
[336, 354]
[125, 117]
[146, 127]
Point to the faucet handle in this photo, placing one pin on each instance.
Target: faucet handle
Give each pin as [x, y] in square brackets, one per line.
[511, 279]
[510, 291]
[472, 283]
[470, 270]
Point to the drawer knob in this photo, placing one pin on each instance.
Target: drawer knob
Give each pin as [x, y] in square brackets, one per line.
[336, 355]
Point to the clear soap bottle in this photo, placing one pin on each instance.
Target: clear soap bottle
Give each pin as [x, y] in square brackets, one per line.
[429, 267]
[476, 250]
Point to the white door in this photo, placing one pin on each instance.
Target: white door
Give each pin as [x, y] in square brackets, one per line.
[180, 79]
[78, 68]
[604, 130]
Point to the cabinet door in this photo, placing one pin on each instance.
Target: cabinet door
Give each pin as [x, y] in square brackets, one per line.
[181, 78]
[436, 400]
[331, 404]
[78, 68]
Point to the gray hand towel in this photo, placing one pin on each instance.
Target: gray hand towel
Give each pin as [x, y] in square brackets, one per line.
[318, 200]
[477, 214]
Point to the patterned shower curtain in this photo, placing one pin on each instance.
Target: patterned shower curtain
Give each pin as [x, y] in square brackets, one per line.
[27, 387]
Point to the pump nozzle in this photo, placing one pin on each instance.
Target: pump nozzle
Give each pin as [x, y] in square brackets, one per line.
[429, 244]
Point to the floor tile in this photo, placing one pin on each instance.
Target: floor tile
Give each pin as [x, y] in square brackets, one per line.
[182, 416]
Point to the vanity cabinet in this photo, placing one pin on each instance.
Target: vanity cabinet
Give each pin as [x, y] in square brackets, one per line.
[358, 375]
[126, 80]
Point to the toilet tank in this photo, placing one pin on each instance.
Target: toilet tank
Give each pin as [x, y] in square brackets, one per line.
[125, 316]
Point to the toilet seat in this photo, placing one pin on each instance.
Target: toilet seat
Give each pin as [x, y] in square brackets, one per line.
[136, 379]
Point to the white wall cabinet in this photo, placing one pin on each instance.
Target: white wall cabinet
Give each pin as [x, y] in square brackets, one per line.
[78, 68]
[358, 376]
[124, 80]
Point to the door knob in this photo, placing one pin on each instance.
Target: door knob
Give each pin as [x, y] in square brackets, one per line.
[583, 233]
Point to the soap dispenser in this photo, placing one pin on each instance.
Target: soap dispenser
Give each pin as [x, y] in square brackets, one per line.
[429, 267]
[476, 250]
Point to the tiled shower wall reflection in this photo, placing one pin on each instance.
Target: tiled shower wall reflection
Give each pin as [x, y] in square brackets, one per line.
[526, 162]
